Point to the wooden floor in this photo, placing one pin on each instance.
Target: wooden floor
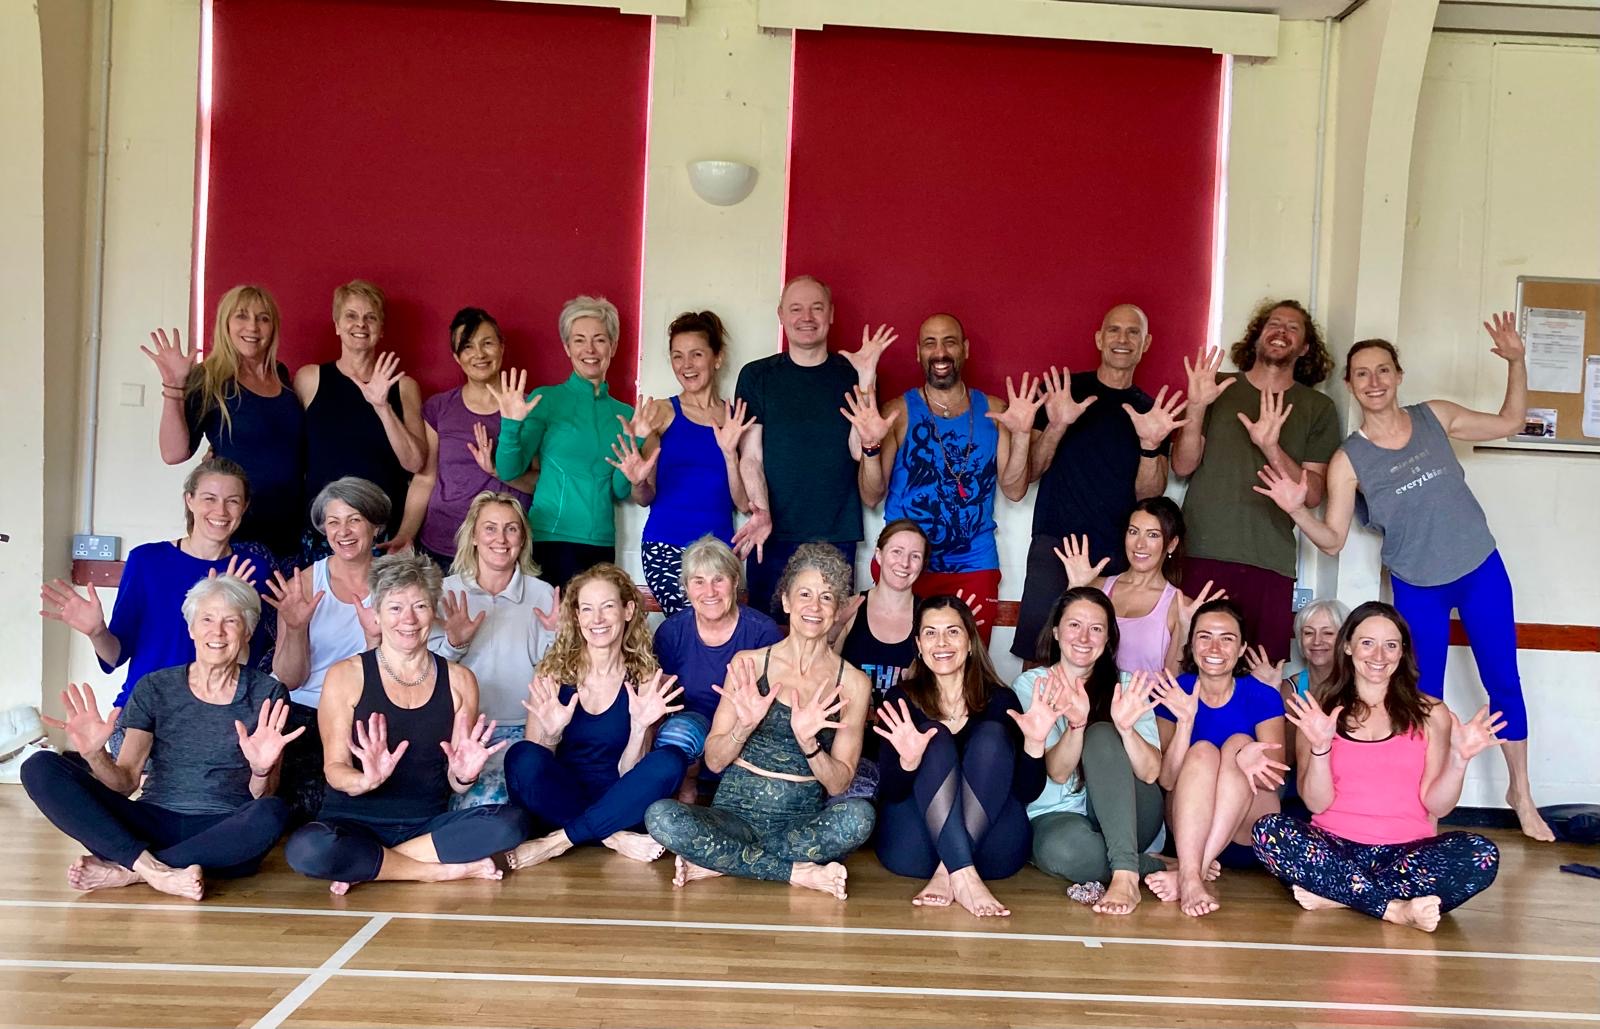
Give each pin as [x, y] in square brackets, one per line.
[596, 940]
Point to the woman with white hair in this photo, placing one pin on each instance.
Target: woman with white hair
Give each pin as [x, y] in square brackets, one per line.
[401, 732]
[211, 731]
[570, 427]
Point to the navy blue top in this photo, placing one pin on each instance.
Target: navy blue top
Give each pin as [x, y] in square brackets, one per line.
[266, 437]
[692, 494]
[592, 745]
[1252, 703]
[1027, 778]
[344, 436]
[147, 618]
[698, 666]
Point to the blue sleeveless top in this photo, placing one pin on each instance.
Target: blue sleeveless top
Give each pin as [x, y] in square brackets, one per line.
[944, 479]
[692, 495]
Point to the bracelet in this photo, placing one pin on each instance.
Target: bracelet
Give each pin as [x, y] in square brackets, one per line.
[466, 782]
[1077, 728]
[872, 451]
[809, 754]
[1323, 753]
[1150, 453]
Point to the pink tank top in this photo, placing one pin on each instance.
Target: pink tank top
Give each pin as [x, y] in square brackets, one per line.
[1145, 639]
[1377, 790]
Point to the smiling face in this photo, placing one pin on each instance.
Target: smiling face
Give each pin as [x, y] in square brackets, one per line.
[217, 505]
[900, 560]
[941, 351]
[1375, 650]
[404, 618]
[1317, 637]
[1283, 338]
[591, 348]
[251, 330]
[602, 616]
[218, 632]
[1123, 338]
[1217, 643]
[811, 605]
[806, 314]
[942, 641]
[498, 536]
[1146, 544]
[348, 531]
[1082, 632]
[1374, 380]
[710, 593]
[693, 362]
[359, 325]
[480, 356]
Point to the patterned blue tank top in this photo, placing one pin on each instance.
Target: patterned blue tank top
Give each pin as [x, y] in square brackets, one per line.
[944, 479]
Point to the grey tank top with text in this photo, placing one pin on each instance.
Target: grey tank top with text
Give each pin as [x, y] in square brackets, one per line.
[1434, 531]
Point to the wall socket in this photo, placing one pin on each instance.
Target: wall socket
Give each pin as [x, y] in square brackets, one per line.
[95, 548]
[1302, 597]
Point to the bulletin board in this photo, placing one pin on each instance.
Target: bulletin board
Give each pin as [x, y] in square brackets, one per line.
[1560, 323]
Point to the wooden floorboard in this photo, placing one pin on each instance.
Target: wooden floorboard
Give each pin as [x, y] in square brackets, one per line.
[595, 940]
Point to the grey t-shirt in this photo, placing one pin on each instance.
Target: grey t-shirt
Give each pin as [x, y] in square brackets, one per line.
[196, 766]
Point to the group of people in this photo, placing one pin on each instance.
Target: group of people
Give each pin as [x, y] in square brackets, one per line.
[402, 724]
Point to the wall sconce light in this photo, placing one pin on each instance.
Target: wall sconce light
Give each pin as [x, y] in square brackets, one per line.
[722, 183]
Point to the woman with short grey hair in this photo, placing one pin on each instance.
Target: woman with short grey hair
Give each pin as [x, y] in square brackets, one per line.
[582, 437]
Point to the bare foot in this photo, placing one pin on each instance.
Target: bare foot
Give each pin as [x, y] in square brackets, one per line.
[483, 868]
[538, 851]
[179, 882]
[686, 872]
[338, 889]
[1533, 824]
[1195, 899]
[636, 845]
[1418, 913]
[1164, 885]
[973, 894]
[1311, 902]
[828, 878]
[1122, 896]
[90, 873]
[1213, 870]
[937, 893]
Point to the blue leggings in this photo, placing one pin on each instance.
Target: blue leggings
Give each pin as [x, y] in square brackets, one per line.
[559, 797]
[1483, 596]
[1454, 867]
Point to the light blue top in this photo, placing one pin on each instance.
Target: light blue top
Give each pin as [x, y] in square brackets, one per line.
[1071, 795]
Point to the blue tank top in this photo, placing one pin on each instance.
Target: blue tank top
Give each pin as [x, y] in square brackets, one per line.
[692, 495]
[592, 744]
[944, 480]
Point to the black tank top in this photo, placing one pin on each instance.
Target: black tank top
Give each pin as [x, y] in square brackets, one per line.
[345, 437]
[418, 788]
[884, 663]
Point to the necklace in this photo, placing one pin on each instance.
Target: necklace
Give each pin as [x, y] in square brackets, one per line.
[953, 465]
[384, 662]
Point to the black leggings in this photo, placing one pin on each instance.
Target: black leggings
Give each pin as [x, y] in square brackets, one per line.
[117, 829]
[960, 813]
[350, 851]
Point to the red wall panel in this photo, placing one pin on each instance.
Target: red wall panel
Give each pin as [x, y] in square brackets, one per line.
[455, 152]
[1023, 185]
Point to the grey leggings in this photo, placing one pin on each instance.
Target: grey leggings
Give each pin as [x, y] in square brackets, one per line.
[758, 827]
[1124, 817]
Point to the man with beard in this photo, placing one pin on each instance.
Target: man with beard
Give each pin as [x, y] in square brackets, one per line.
[1267, 414]
[938, 453]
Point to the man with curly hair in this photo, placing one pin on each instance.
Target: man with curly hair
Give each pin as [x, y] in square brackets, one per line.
[1269, 413]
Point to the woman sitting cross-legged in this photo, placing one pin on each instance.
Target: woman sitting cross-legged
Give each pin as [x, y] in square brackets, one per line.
[585, 769]
[788, 737]
[212, 732]
[1216, 732]
[1380, 763]
[963, 760]
[1101, 808]
[401, 731]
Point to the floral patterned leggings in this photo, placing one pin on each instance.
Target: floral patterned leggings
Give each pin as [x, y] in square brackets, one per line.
[1454, 867]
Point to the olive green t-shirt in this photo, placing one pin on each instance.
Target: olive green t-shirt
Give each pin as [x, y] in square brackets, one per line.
[1227, 519]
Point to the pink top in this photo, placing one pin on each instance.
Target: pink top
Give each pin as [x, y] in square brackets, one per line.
[1377, 790]
[1144, 639]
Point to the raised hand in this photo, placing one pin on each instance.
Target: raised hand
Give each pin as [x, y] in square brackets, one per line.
[1188, 605]
[459, 625]
[1508, 345]
[653, 700]
[512, 395]
[263, 747]
[385, 373]
[1317, 727]
[1130, 704]
[64, 604]
[873, 344]
[86, 730]
[550, 619]
[1047, 708]
[738, 687]
[898, 728]
[1183, 704]
[1260, 666]
[649, 416]
[240, 567]
[1160, 421]
[821, 712]
[1022, 404]
[544, 707]
[482, 449]
[1469, 739]
[974, 607]
[861, 410]
[1059, 407]
[171, 360]
[733, 426]
[629, 460]
[1074, 557]
[468, 750]
[1289, 494]
[288, 597]
[1269, 421]
[1261, 771]
[1072, 700]
[752, 535]
[368, 617]
[371, 747]
[1204, 389]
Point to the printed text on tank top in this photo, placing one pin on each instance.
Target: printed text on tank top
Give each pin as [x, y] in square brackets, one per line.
[1413, 464]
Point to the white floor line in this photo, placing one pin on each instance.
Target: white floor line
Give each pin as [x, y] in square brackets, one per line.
[297, 996]
[957, 934]
[149, 966]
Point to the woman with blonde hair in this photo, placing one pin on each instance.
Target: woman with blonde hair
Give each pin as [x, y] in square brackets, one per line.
[239, 399]
[585, 769]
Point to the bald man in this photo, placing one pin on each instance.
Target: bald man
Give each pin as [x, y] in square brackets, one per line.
[937, 455]
[1099, 446]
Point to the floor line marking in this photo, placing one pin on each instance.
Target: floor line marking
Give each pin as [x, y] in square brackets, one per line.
[148, 966]
[957, 934]
[301, 993]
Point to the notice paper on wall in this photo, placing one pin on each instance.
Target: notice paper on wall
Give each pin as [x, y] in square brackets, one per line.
[1555, 349]
[1591, 397]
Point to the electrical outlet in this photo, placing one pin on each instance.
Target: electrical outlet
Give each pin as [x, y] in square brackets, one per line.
[95, 548]
[1302, 597]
